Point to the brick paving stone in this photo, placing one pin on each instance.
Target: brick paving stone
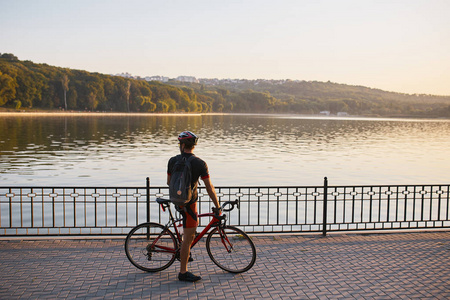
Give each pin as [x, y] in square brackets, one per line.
[340, 266]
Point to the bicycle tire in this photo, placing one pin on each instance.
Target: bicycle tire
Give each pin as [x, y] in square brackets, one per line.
[241, 253]
[145, 255]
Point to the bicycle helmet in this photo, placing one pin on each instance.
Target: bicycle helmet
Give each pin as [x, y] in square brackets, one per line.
[188, 138]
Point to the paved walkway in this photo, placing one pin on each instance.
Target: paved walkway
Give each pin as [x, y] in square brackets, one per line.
[340, 266]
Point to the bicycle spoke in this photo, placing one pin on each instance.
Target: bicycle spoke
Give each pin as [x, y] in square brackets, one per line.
[231, 249]
[150, 247]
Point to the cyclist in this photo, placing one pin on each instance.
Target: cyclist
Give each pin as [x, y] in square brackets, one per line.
[187, 141]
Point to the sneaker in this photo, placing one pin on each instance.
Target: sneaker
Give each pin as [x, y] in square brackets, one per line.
[188, 276]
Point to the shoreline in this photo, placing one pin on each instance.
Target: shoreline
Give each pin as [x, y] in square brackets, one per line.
[88, 113]
[44, 113]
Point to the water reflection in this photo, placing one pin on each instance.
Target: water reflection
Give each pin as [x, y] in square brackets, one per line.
[239, 149]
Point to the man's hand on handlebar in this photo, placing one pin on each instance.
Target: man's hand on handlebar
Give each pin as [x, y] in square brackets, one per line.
[217, 211]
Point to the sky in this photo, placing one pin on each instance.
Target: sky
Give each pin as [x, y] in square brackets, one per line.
[393, 45]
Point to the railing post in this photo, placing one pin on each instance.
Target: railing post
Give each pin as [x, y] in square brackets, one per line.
[325, 198]
[148, 199]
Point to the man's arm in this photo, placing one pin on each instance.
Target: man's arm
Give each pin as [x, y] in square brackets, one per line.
[211, 191]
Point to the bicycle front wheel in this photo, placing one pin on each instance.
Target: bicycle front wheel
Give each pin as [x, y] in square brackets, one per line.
[151, 247]
[231, 249]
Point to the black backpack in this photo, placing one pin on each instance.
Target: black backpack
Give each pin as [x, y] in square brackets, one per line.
[180, 190]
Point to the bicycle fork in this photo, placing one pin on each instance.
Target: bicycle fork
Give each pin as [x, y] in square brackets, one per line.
[225, 241]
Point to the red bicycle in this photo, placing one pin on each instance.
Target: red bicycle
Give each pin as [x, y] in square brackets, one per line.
[154, 247]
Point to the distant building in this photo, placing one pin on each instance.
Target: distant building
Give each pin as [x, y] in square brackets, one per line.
[157, 78]
[187, 79]
[342, 114]
[126, 75]
[325, 112]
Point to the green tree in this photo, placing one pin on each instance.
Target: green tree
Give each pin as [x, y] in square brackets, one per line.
[92, 101]
[72, 99]
[65, 86]
[146, 104]
[162, 106]
[9, 56]
[18, 104]
[127, 94]
[7, 88]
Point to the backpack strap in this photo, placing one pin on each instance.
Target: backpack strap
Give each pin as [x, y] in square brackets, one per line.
[179, 157]
[190, 158]
[189, 161]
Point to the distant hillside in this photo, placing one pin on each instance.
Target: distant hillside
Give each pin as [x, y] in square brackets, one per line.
[311, 97]
[24, 84]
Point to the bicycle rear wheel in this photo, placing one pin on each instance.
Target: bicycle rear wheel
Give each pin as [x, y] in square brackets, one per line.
[150, 247]
[231, 249]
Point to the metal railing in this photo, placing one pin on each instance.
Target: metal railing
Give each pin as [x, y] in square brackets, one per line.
[114, 210]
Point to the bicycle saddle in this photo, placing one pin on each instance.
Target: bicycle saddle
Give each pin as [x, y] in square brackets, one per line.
[163, 201]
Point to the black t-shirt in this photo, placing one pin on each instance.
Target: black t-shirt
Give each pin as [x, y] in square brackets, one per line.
[199, 169]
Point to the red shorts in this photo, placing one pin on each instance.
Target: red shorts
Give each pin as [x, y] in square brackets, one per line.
[188, 216]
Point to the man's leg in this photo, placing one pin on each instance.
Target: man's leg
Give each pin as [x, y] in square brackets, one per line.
[188, 238]
[190, 224]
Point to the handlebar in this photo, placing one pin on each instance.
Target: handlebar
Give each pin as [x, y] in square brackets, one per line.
[165, 203]
[232, 203]
[222, 218]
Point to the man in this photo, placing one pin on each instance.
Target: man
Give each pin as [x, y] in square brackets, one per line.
[187, 141]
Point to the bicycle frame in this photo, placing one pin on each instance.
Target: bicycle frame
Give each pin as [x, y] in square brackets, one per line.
[172, 223]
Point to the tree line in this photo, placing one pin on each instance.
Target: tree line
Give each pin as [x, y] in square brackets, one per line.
[24, 84]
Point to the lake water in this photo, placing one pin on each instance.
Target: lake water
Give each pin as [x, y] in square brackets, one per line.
[241, 150]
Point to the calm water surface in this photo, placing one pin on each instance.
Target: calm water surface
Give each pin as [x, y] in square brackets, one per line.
[105, 150]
